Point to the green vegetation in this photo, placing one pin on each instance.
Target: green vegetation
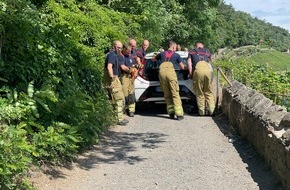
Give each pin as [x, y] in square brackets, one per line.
[274, 59]
[278, 61]
[52, 103]
[255, 70]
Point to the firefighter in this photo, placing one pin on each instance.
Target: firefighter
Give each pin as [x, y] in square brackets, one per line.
[141, 52]
[201, 72]
[127, 79]
[113, 64]
[168, 80]
[133, 54]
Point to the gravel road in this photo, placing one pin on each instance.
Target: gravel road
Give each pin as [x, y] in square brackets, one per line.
[154, 152]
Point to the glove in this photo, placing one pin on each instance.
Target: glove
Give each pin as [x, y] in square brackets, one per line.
[134, 73]
[137, 66]
[113, 78]
[130, 70]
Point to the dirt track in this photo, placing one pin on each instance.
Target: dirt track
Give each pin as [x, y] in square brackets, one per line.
[154, 152]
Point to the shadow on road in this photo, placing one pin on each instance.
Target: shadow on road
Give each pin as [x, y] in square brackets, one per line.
[257, 167]
[118, 146]
[113, 147]
[159, 109]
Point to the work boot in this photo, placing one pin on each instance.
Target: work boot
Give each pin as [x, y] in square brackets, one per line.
[171, 116]
[131, 114]
[180, 118]
[123, 122]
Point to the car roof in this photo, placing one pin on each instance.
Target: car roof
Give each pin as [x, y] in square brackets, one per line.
[183, 54]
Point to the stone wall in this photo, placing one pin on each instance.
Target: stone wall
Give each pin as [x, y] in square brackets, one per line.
[264, 124]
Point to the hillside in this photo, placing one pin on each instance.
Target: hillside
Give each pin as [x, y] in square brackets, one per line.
[278, 61]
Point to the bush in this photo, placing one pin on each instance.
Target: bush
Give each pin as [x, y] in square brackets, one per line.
[15, 157]
[273, 84]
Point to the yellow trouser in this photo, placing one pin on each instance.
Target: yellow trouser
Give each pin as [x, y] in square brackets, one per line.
[118, 106]
[115, 91]
[128, 90]
[169, 85]
[202, 86]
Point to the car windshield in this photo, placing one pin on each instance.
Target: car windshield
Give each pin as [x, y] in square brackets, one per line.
[152, 69]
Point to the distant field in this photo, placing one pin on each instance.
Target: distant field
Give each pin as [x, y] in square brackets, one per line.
[278, 61]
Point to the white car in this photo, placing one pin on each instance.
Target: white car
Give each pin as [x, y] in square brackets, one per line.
[147, 87]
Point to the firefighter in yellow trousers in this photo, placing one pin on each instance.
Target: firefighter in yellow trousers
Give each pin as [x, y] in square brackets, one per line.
[202, 75]
[129, 73]
[168, 80]
[129, 93]
[113, 64]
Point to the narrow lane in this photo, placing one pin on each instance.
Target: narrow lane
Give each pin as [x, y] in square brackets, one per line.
[154, 152]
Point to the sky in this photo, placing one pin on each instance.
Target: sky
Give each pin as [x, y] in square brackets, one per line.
[273, 11]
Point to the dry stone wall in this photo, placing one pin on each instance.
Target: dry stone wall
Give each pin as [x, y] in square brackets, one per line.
[264, 124]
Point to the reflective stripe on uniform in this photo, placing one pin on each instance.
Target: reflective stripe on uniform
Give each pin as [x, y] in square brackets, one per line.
[131, 107]
[119, 109]
[178, 110]
[170, 109]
